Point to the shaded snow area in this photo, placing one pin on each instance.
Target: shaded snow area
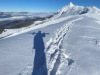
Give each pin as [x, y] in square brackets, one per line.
[66, 45]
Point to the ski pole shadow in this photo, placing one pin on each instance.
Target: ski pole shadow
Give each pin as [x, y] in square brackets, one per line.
[39, 66]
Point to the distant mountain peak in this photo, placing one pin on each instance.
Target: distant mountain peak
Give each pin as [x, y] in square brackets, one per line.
[94, 7]
[71, 4]
[72, 9]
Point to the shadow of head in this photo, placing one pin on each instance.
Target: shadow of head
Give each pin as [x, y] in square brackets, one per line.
[38, 40]
[39, 32]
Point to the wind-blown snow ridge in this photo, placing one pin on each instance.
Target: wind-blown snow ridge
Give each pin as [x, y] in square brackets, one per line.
[57, 60]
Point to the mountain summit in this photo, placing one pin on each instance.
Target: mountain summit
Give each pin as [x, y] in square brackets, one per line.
[70, 4]
[72, 9]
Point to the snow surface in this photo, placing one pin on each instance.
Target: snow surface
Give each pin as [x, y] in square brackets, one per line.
[71, 48]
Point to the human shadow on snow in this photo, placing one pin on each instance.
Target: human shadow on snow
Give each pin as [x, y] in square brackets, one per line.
[39, 67]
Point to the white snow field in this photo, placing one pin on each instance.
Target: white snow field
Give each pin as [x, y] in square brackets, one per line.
[71, 48]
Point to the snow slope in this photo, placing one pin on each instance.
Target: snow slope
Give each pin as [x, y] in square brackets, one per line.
[71, 48]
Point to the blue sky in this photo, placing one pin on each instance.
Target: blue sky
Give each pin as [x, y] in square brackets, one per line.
[42, 5]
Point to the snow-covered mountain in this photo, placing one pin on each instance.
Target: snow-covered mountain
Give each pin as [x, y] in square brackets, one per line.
[72, 45]
[72, 9]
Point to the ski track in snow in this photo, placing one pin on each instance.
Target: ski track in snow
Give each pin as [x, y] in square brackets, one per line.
[57, 60]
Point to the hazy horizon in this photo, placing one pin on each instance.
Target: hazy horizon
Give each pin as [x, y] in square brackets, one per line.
[42, 5]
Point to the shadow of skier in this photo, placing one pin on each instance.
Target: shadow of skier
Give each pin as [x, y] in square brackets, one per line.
[39, 67]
